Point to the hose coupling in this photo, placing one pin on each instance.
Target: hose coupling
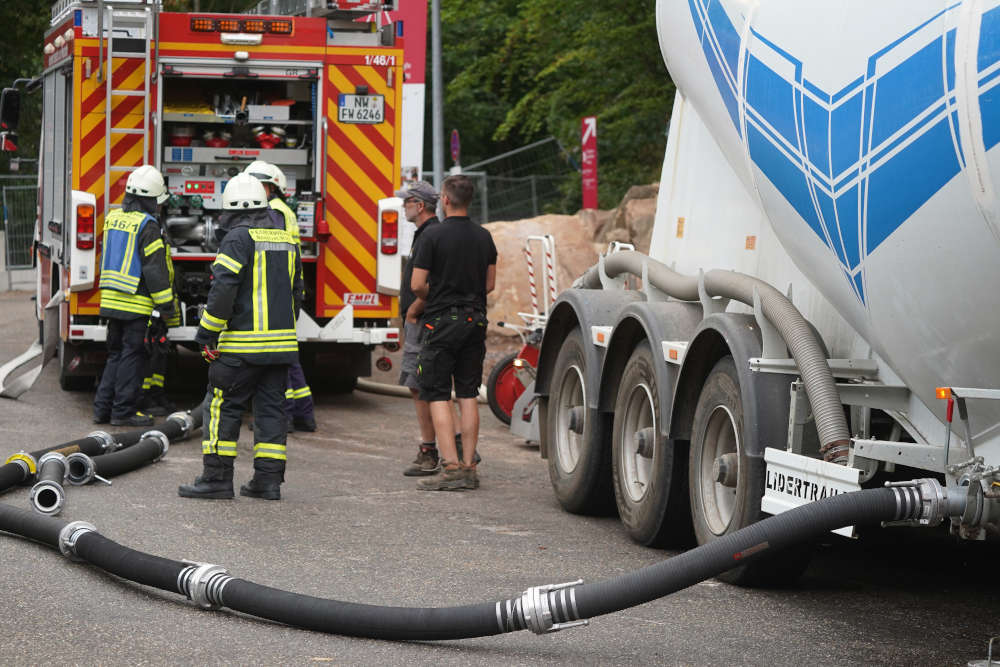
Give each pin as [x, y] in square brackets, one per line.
[47, 495]
[202, 583]
[185, 420]
[924, 502]
[68, 536]
[80, 469]
[161, 437]
[27, 462]
[108, 442]
[543, 609]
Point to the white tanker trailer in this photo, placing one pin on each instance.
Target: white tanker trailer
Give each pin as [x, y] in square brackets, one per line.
[838, 156]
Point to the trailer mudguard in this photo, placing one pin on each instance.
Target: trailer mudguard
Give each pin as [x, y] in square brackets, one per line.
[655, 322]
[765, 396]
[584, 308]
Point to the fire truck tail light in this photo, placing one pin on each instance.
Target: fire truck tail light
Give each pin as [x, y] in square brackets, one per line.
[85, 227]
[254, 25]
[228, 25]
[202, 25]
[390, 232]
[280, 27]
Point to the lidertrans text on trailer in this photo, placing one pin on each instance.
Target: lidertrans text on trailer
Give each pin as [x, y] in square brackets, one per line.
[311, 87]
[819, 309]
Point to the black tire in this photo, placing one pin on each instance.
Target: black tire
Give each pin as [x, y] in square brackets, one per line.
[67, 380]
[720, 508]
[491, 388]
[579, 463]
[650, 490]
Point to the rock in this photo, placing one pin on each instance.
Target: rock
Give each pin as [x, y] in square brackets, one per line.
[597, 221]
[639, 217]
[574, 254]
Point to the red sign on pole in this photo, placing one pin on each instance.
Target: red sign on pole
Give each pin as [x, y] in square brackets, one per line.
[588, 148]
[456, 146]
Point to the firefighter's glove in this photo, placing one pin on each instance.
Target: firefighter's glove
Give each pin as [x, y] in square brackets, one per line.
[209, 354]
[156, 341]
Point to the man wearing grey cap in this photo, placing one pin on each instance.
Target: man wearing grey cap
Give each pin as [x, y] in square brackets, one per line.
[419, 206]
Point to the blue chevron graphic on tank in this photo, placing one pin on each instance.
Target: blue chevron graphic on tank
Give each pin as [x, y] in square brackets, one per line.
[855, 163]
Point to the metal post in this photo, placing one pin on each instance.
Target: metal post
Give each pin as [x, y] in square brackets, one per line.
[437, 120]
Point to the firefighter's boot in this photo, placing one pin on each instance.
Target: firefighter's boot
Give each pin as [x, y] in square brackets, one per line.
[215, 481]
[268, 474]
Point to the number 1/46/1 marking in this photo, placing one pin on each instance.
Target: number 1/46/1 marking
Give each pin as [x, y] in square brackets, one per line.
[382, 60]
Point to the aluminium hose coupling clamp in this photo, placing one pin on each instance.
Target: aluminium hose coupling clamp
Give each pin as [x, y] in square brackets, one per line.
[27, 462]
[202, 583]
[80, 469]
[185, 419]
[543, 614]
[68, 536]
[108, 443]
[924, 502]
[163, 440]
[49, 457]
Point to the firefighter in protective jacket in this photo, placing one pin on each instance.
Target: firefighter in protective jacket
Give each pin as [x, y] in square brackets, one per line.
[247, 334]
[136, 292]
[299, 407]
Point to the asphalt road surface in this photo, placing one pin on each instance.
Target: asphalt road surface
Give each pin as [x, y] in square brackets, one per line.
[351, 527]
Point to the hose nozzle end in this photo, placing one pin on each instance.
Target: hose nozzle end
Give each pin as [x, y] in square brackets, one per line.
[47, 497]
[185, 420]
[80, 469]
[161, 437]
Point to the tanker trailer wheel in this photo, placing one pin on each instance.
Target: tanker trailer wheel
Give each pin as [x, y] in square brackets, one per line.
[649, 472]
[725, 492]
[503, 388]
[578, 453]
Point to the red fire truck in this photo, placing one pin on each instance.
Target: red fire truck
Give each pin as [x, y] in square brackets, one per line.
[308, 87]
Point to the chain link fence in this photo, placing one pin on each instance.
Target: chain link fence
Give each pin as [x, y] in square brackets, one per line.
[19, 197]
[522, 183]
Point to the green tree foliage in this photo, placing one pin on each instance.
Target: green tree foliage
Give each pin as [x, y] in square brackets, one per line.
[517, 71]
[21, 57]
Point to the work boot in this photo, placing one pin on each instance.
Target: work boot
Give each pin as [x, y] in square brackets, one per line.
[304, 424]
[214, 483]
[471, 478]
[426, 463]
[101, 419]
[458, 446]
[158, 405]
[451, 478]
[256, 488]
[138, 419]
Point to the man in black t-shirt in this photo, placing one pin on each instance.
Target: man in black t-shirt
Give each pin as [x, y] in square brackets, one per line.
[454, 268]
[419, 206]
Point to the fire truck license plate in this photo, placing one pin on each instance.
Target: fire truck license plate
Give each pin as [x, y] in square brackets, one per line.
[368, 109]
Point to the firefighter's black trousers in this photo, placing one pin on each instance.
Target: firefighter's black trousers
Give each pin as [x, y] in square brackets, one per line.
[118, 392]
[232, 384]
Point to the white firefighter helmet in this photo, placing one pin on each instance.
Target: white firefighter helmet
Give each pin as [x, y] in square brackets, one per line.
[147, 181]
[265, 172]
[243, 192]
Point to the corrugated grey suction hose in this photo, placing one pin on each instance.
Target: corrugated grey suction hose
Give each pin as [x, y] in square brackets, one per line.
[794, 329]
[540, 609]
